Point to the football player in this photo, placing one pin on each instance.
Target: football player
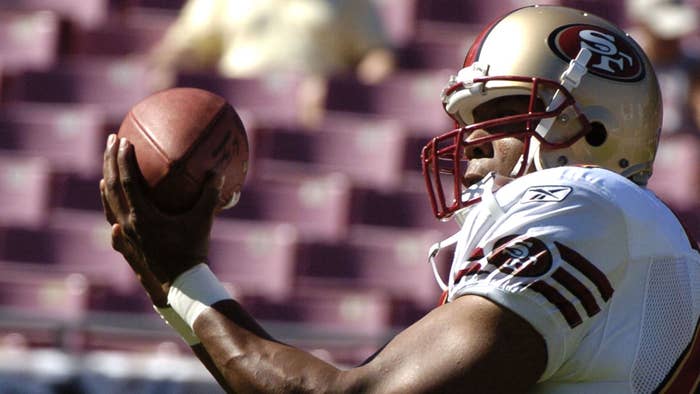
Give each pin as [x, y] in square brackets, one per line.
[569, 276]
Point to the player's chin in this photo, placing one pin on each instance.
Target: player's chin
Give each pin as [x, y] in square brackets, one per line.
[472, 178]
[477, 169]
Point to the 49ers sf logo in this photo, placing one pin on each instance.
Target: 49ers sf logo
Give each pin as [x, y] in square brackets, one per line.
[613, 58]
[521, 255]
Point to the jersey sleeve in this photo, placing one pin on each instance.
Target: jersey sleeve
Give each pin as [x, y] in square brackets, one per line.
[554, 256]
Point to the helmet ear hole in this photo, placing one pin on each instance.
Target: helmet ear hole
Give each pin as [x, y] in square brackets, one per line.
[598, 134]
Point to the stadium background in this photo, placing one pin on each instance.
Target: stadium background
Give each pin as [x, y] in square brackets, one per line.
[328, 245]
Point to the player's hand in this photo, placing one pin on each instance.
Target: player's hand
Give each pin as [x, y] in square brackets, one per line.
[153, 242]
[157, 292]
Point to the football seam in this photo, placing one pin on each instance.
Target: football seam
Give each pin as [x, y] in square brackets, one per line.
[151, 140]
[207, 131]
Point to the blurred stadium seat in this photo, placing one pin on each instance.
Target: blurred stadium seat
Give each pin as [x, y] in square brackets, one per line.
[29, 40]
[421, 55]
[74, 191]
[70, 137]
[24, 189]
[398, 19]
[372, 257]
[413, 98]
[395, 208]
[163, 4]
[272, 100]
[71, 242]
[612, 10]
[690, 217]
[254, 257]
[134, 35]
[469, 11]
[111, 84]
[81, 242]
[84, 13]
[317, 206]
[340, 145]
[678, 185]
[42, 294]
[349, 311]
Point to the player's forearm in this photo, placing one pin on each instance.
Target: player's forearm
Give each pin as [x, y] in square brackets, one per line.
[250, 360]
[201, 352]
[247, 357]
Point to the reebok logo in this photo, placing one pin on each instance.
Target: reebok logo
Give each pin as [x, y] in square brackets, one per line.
[546, 194]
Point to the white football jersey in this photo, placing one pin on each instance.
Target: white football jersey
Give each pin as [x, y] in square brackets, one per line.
[598, 266]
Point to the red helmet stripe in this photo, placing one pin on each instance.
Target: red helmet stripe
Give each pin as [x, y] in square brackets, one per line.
[478, 43]
[475, 49]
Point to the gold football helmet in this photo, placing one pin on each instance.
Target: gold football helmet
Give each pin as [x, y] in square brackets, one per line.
[594, 100]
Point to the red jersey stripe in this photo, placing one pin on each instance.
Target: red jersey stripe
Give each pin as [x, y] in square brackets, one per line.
[553, 295]
[578, 289]
[588, 269]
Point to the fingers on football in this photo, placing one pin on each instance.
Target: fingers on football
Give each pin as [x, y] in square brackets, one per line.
[211, 192]
[111, 218]
[110, 173]
[129, 174]
[119, 241]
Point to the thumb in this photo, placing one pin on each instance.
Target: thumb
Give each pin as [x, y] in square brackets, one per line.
[209, 199]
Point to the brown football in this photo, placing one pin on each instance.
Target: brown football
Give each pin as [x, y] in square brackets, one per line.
[179, 136]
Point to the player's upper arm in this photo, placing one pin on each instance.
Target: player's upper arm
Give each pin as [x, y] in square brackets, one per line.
[554, 260]
[470, 345]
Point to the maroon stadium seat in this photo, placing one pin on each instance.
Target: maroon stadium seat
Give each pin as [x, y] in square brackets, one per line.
[410, 97]
[676, 179]
[71, 137]
[392, 260]
[271, 100]
[396, 208]
[254, 257]
[24, 189]
[42, 295]
[28, 40]
[81, 243]
[317, 206]
[345, 311]
[398, 19]
[113, 85]
[368, 152]
[72, 242]
[134, 34]
[340, 325]
[84, 13]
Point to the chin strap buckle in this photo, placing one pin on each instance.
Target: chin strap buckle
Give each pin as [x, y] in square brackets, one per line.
[464, 80]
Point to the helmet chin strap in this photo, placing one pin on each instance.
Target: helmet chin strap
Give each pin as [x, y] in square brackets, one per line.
[570, 79]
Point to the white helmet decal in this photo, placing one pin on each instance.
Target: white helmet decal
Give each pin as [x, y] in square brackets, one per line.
[613, 57]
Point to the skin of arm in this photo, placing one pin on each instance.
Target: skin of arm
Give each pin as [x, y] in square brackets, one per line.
[469, 345]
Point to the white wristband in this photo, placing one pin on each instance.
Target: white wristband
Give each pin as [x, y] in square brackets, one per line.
[178, 324]
[194, 291]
